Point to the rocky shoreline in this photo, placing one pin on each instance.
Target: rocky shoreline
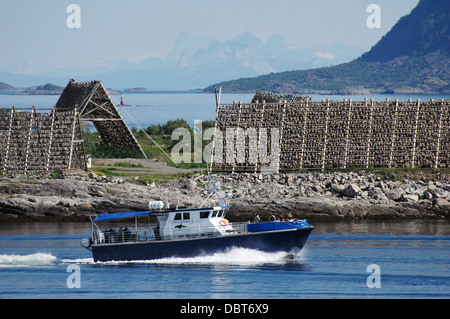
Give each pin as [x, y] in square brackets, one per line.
[315, 196]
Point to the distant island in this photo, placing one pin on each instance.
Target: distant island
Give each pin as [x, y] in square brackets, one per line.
[412, 58]
[139, 89]
[46, 89]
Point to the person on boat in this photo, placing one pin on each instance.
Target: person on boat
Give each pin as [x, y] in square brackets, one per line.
[257, 219]
[126, 234]
[112, 235]
[273, 218]
[106, 232]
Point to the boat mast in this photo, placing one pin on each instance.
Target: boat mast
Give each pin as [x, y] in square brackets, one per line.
[213, 189]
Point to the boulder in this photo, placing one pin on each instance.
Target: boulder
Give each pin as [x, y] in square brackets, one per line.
[378, 195]
[351, 190]
[190, 184]
[440, 202]
[411, 197]
[336, 188]
[395, 194]
[427, 195]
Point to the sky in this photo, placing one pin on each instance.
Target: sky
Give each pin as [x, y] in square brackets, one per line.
[35, 34]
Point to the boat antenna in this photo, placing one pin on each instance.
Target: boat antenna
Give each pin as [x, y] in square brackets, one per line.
[166, 201]
[213, 189]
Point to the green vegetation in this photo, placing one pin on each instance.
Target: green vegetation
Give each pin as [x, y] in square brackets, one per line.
[129, 165]
[387, 77]
[161, 134]
[96, 149]
[142, 178]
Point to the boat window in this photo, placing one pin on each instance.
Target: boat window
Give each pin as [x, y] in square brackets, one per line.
[204, 214]
[221, 213]
[215, 213]
[177, 216]
[186, 215]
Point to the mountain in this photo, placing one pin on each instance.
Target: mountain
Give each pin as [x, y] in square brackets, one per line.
[424, 31]
[6, 87]
[413, 57]
[46, 89]
[196, 62]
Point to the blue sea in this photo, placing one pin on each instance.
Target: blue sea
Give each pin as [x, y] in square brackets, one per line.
[354, 259]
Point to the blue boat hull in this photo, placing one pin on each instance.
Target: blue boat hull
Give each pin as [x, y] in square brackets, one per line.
[268, 241]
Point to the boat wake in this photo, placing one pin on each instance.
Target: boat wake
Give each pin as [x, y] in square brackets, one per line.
[233, 256]
[37, 259]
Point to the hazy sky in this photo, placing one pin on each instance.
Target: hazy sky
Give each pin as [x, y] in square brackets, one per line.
[34, 33]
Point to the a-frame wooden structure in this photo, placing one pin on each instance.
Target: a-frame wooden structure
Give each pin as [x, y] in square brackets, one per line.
[95, 105]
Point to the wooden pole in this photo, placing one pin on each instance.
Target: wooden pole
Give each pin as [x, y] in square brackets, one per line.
[436, 162]
[305, 122]
[30, 131]
[75, 116]
[394, 128]
[8, 143]
[347, 134]
[325, 140]
[280, 143]
[215, 127]
[261, 123]
[369, 133]
[415, 134]
[52, 128]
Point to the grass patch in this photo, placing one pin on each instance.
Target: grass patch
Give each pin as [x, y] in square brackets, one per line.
[161, 135]
[128, 165]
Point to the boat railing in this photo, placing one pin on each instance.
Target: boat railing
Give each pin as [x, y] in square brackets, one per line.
[153, 233]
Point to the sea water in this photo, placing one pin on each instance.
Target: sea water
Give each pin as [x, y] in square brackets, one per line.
[45, 260]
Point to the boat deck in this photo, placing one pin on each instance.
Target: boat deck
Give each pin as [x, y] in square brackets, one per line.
[148, 234]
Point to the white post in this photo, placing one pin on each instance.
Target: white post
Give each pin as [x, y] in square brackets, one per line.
[370, 132]
[394, 128]
[415, 134]
[325, 137]
[436, 163]
[347, 135]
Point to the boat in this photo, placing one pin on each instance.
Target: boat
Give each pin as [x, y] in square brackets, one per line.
[188, 232]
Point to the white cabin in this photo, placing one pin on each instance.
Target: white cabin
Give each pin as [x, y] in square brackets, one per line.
[192, 223]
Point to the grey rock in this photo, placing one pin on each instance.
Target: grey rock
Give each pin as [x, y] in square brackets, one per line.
[336, 188]
[411, 197]
[395, 194]
[441, 202]
[427, 195]
[351, 190]
[378, 195]
[190, 184]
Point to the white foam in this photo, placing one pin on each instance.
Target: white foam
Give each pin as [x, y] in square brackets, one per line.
[37, 259]
[234, 256]
[239, 256]
[78, 261]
